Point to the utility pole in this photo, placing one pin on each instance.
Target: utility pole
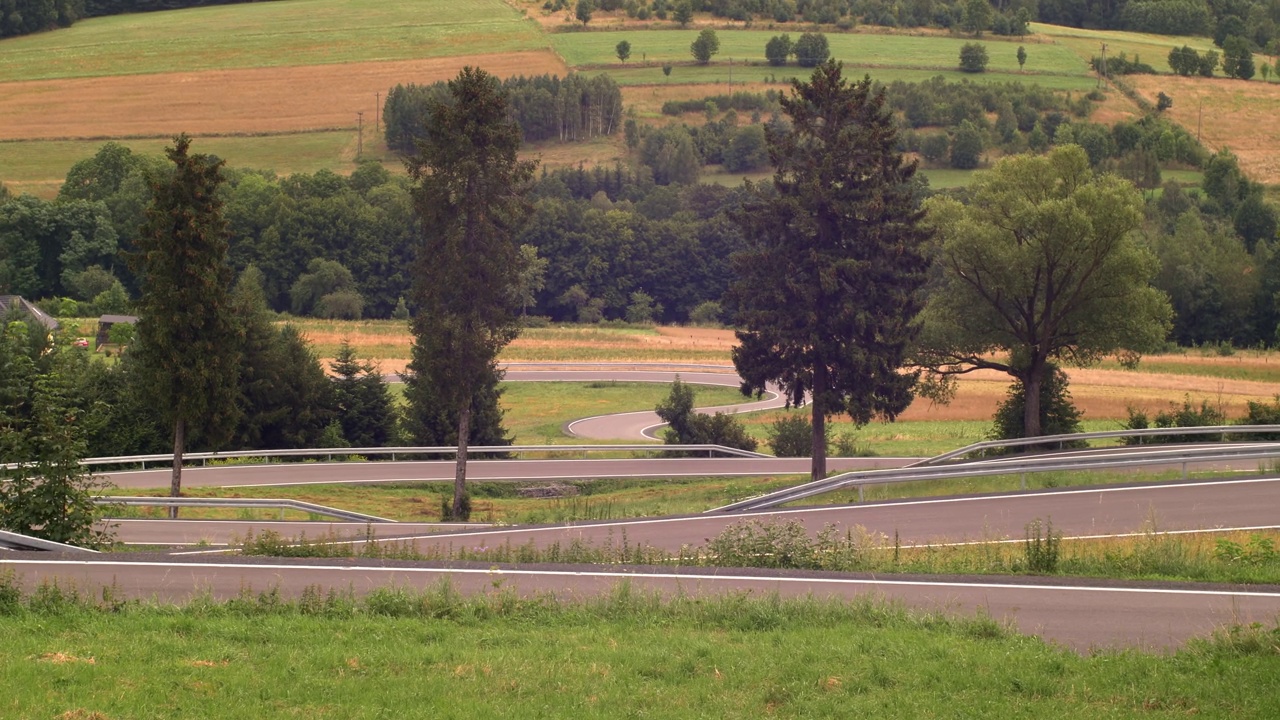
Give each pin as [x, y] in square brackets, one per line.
[1104, 65]
[360, 137]
[377, 107]
[1199, 117]
[731, 73]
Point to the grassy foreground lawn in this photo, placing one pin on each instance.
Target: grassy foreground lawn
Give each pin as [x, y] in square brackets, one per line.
[269, 34]
[434, 654]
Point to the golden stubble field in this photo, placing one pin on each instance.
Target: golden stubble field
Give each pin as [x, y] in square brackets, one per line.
[1230, 113]
[1101, 392]
[231, 102]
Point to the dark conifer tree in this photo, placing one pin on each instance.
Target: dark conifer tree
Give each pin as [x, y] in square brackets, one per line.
[827, 294]
[470, 201]
[187, 337]
[362, 400]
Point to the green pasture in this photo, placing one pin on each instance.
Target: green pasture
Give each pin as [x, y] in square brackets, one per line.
[1147, 47]
[759, 72]
[432, 653]
[855, 49]
[269, 34]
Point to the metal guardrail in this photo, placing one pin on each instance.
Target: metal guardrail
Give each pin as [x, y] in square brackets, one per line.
[1100, 435]
[265, 503]
[1109, 458]
[18, 541]
[330, 453]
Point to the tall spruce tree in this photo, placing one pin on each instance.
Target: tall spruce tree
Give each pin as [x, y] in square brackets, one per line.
[470, 201]
[187, 338]
[828, 291]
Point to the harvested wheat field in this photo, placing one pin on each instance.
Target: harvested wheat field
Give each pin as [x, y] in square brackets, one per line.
[1237, 114]
[229, 102]
[1101, 393]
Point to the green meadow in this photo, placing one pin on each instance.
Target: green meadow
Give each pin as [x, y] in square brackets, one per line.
[269, 34]
[855, 49]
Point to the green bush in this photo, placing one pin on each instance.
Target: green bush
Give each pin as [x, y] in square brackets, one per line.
[1186, 416]
[973, 57]
[791, 436]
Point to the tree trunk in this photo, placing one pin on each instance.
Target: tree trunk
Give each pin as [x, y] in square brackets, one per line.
[179, 445]
[1031, 399]
[818, 449]
[460, 475]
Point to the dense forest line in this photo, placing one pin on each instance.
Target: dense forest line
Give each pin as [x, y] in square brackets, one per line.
[643, 240]
[548, 107]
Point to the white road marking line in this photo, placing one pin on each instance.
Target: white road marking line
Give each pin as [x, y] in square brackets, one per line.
[659, 576]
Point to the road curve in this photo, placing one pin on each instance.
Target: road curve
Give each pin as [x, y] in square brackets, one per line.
[641, 424]
[1076, 512]
[1081, 616]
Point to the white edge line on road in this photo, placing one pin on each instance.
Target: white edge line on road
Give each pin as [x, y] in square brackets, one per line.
[641, 576]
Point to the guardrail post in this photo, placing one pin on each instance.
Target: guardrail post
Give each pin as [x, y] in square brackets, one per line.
[859, 493]
[1184, 469]
[1024, 481]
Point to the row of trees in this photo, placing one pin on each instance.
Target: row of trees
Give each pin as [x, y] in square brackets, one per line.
[548, 107]
[1252, 18]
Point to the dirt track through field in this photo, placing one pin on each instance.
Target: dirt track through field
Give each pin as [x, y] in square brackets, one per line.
[256, 100]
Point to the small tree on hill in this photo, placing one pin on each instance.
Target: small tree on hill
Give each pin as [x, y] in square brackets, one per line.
[704, 47]
[666, 72]
[778, 49]
[583, 11]
[973, 57]
[1237, 58]
[812, 49]
[623, 50]
[683, 13]
[977, 16]
[1022, 57]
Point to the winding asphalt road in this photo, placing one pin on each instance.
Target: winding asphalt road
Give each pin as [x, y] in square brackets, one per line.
[643, 424]
[1079, 614]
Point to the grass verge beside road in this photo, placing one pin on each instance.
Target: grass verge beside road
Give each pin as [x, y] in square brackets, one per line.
[498, 655]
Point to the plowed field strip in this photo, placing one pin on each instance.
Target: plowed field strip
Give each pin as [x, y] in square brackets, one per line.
[255, 100]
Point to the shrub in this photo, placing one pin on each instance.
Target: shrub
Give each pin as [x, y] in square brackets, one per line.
[687, 427]
[973, 57]
[1176, 417]
[706, 313]
[791, 435]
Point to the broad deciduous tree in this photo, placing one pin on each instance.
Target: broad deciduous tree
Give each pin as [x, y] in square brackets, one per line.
[1041, 266]
[470, 201]
[828, 290]
[705, 46]
[187, 338]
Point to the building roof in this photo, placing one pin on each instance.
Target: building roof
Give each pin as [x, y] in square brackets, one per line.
[113, 319]
[12, 303]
